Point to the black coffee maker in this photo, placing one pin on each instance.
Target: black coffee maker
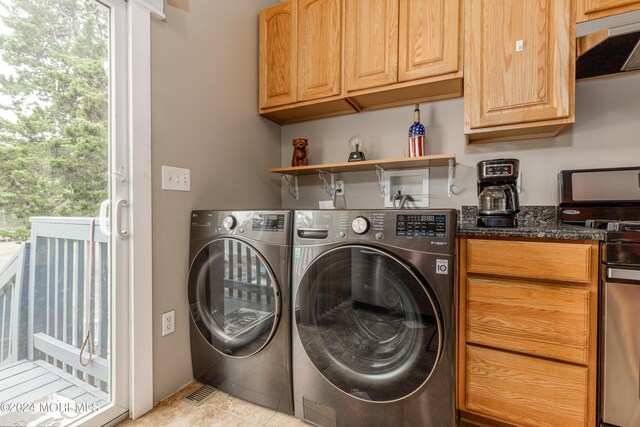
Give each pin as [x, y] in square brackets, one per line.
[497, 193]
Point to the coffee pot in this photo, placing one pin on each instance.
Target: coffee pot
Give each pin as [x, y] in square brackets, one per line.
[497, 200]
[497, 193]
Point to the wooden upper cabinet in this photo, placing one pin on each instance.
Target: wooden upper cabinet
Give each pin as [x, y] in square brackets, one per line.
[278, 39]
[371, 51]
[319, 48]
[322, 58]
[429, 38]
[519, 62]
[594, 9]
[390, 41]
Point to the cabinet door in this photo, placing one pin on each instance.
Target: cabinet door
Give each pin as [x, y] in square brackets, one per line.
[600, 5]
[519, 62]
[371, 52]
[592, 9]
[319, 48]
[278, 38]
[525, 391]
[429, 38]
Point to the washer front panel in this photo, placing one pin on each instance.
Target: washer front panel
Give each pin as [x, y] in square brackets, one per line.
[234, 298]
[367, 323]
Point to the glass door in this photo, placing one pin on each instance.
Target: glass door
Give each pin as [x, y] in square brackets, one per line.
[368, 323]
[234, 297]
[63, 260]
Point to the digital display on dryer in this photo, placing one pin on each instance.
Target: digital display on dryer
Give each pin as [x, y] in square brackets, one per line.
[421, 225]
[270, 222]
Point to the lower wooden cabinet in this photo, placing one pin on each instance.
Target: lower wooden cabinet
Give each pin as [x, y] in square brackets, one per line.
[527, 340]
[525, 390]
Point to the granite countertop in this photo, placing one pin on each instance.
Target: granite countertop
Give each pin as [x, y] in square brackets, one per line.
[534, 222]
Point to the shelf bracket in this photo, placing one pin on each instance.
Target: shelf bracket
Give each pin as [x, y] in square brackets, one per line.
[450, 178]
[380, 171]
[330, 185]
[291, 187]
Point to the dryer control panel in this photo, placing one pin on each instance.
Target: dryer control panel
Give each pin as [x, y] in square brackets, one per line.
[268, 222]
[269, 227]
[421, 225]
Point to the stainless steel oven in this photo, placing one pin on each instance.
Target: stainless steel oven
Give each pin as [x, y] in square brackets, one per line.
[609, 199]
[621, 325]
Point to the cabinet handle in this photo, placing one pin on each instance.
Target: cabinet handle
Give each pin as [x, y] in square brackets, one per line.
[632, 276]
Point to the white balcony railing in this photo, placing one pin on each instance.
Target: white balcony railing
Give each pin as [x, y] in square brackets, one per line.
[46, 298]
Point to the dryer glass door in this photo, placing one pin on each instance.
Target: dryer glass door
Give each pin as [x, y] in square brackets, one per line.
[368, 323]
[234, 298]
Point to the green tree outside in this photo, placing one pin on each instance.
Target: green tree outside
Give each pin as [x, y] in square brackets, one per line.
[55, 128]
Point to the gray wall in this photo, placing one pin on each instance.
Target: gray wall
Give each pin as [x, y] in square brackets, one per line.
[204, 74]
[606, 133]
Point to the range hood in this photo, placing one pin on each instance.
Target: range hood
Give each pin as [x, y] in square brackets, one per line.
[608, 45]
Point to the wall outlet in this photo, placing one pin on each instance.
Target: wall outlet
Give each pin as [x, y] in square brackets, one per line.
[176, 179]
[168, 322]
[339, 188]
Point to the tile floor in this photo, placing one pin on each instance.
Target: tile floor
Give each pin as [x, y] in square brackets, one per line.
[219, 410]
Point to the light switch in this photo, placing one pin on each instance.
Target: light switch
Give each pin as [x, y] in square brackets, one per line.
[519, 45]
[176, 179]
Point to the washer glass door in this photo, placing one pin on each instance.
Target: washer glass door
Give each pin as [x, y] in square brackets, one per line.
[234, 298]
[368, 323]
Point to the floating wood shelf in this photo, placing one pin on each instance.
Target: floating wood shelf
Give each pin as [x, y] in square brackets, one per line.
[399, 163]
[290, 175]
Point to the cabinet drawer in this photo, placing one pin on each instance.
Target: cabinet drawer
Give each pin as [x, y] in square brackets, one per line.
[570, 262]
[538, 319]
[524, 390]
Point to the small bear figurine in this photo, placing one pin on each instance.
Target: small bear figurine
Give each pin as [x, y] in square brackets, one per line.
[300, 152]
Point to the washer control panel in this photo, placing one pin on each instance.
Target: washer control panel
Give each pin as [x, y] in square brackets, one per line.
[427, 230]
[267, 222]
[421, 225]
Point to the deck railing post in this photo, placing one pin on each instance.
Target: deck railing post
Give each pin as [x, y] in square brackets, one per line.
[31, 292]
[22, 279]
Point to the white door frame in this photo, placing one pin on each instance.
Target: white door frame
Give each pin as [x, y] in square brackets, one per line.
[132, 320]
[140, 277]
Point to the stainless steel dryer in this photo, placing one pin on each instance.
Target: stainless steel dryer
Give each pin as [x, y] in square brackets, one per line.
[239, 304]
[373, 326]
